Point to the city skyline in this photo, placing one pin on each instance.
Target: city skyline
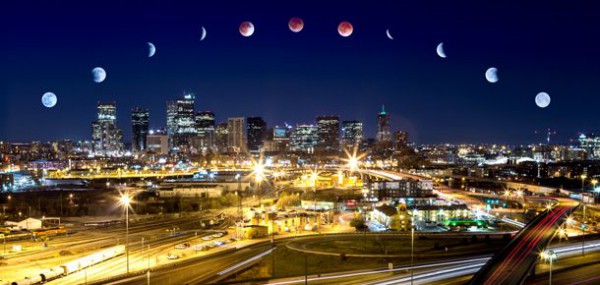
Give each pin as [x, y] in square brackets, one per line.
[292, 77]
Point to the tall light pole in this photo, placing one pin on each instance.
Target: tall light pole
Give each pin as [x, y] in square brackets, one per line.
[412, 250]
[125, 201]
[551, 256]
[583, 177]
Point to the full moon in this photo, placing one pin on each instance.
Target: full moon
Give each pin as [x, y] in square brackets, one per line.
[491, 75]
[49, 100]
[98, 74]
[440, 50]
[246, 29]
[542, 99]
[151, 49]
[345, 29]
[296, 24]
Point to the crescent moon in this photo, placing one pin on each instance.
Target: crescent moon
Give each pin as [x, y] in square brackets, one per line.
[387, 33]
[151, 49]
[491, 75]
[203, 36]
[440, 50]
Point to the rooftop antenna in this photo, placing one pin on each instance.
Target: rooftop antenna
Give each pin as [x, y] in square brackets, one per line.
[549, 132]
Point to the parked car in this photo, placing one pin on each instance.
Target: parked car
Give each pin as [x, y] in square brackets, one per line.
[207, 238]
[182, 246]
[171, 256]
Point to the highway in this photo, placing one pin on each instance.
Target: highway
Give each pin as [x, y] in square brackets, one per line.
[513, 263]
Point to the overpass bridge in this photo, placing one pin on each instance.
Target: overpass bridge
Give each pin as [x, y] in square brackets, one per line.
[514, 262]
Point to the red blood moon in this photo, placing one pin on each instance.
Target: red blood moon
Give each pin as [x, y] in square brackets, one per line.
[296, 24]
[246, 28]
[345, 29]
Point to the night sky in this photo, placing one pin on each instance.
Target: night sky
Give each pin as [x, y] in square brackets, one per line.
[288, 77]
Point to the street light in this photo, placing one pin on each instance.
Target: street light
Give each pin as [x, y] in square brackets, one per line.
[125, 201]
[549, 255]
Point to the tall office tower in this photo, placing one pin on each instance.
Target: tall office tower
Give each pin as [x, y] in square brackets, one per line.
[171, 123]
[236, 140]
[205, 127]
[140, 123]
[185, 121]
[400, 140]
[304, 138]
[383, 127]
[221, 137]
[256, 133]
[329, 133]
[107, 138]
[352, 133]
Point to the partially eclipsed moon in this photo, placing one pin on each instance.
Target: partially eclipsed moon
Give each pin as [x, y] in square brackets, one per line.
[345, 29]
[387, 33]
[246, 29]
[203, 35]
[98, 74]
[542, 99]
[440, 50]
[49, 99]
[151, 49]
[491, 75]
[296, 24]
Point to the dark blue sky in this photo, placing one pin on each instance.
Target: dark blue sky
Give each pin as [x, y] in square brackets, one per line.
[287, 77]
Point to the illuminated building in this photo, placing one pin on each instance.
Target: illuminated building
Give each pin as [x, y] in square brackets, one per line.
[352, 133]
[157, 142]
[140, 123]
[236, 140]
[205, 126]
[591, 144]
[171, 123]
[400, 140]
[383, 127]
[107, 138]
[328, 129]
[185, 121]
[256, 132]
[221, 137]
[304, 138]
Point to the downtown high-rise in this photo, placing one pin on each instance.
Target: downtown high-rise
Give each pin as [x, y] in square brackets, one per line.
[384, 135]
[140, 125]
[236, 139]
[352, 133]
[256, 132]
[205, 127]
[328, 129]
[107, 138]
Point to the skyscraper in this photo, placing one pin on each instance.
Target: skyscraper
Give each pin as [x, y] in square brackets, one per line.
[352, 133]
[329, 133]
[236, 140]
[107, 138]
[140, 123]
[256, 132]
[383, 127]
[185, 121]
[171, 123]
[205, 126]
[304, 138]
[221, 137]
